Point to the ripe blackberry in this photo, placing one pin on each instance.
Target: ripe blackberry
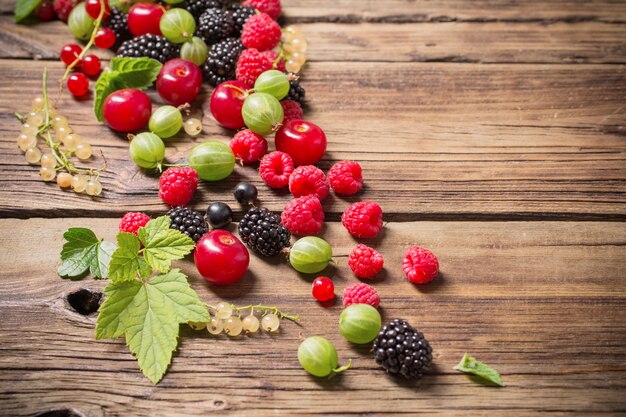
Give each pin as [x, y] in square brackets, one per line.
[118, 23]
[402, 350]
[215, 25]
[197, 7]
[239, 15]
[262, 231]
[189, 222]
[296, 92]
[222, 61]
[149, 45]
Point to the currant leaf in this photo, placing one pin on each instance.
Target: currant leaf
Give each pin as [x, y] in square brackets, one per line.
[24, 8]
[84, 252]
[124, 265]
[162, 245]
[487, 373]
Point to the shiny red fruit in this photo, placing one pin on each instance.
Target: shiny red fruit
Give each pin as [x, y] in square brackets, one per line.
[92, 7]
[179, 81]
[78, 84]
[70, 52]
[90, 65]
[105, 38]
[226, 103]
[304, 141]
[127, 110]
[323, 289]
[221, 258]
[144, 18]
[45, 11]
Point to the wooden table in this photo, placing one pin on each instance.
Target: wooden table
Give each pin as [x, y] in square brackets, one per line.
[491, 132]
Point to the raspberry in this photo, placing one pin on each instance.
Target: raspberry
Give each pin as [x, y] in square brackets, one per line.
[420, 265]
[276, 168]
[303, 216]
[277, 63]
[260, 32]
[365, 262]
[271, 7]
[308, 180]
[292, 110]
[176, 185]
[250, 65]
[62, 8]
[360, 294]
[132, 221]
[363, 219]
[248, 146]
[345, 177]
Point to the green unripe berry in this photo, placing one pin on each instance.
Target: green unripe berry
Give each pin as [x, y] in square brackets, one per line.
[147, 150]
[359, 323]
[195, 50]
[273, 82]
[310, 255]
[81, 25]
[262, 113]
[319, 357]
[212, 160]
[166, 121]
[177, 25]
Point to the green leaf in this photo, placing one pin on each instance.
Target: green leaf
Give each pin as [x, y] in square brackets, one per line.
[472, 366]
[149, 314]
[24, 8]
[104, 86]
[124, 264]
[83, 251]
[162, 245]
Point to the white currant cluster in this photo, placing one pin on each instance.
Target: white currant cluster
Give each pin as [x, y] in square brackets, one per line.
[294, 46]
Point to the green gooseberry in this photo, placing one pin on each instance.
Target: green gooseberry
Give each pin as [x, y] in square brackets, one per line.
[310, 255]
[273, 82]
[318, 356]
[147, 150]
[212, 160]
[81, 25]
[359, 323]
[166, 121]
[195, 50]
[262, 113]
[177, 25]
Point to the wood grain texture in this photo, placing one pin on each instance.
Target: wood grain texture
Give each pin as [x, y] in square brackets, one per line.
[542, 301]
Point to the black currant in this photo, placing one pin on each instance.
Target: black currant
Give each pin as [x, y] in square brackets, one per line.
[219, 215]
[245, 193]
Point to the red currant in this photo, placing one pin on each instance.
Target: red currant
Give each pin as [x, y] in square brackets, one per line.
[45, 11]
[144, 18]
[323, 289]
[90, 65]
[70, 52]
[78, 84]
[105, 38]
[127, 110]
[221, 258]
[226, 103]
[179, 81]
[93, 8]
[304, 141]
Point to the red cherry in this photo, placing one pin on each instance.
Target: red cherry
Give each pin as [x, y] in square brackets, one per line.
[45, 11]
[304, 141]
[226, 103]
[90, 65]
[70, 52]
[323, 289]
[105, 38]
[93, 8]
[78, 84]
[221, 258]
[144, 18]
[179, 81]
[127, 110]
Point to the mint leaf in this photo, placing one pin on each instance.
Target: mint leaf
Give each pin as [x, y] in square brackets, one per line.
[24, 8]
[105, 85]
[83, 251]
[124, 264]
[149, 314]
[162, 245]
[472, 366]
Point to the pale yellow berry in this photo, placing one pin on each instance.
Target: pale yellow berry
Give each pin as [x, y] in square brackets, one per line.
[296, 45]
[293, 30]
[48, 160]
[26, 141]
[197, 325]
[33, 155]
[215, 326]
[29, 129]
[79, 183]
[270, 323]
[286, 36]
[193, 126]
[64, 179]
[52, 111]
[250, 324]
[71, 141]
[47, 174]
[223, 310]
[83, 151]
[93, 187]
[298, 57]
[35, 118]
[292, 66]
[59, 121]
[232, 326]
[38, 103]
[61, 132]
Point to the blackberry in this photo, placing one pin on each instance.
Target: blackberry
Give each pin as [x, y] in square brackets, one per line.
[239, 15]
[222, 61]
[197, 7]
[189, 222]
[215, 25]
[118, 23]
[151, 46]
[401, 349]
[262, 231]
[296, 92]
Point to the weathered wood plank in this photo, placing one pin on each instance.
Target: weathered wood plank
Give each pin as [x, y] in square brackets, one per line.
[542, 301]
[438, 140]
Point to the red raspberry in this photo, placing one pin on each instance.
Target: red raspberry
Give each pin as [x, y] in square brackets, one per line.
[132, 221]
[271, 7]
[260, 32]
[360, 294]
[303, 216]
[308, 180]
[248, 146]
[276, 168]
[345, 177]
[365, 262]
[272, 57]
[62, 8]
[176, 185]
[420, 265]
[292, 110]
[250, 65]
[363, 219]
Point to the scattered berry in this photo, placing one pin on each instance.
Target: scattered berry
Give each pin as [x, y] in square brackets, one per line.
[93, 8]
[271, 7]
[345, 177]
[105, 38]
[70, 52]
[363, 219]
[127, 110]
[323, 289]
[304, 141]
[278, 62]
[359, 323]
[365, 262]
[222, 61]
[260, 32]
[90, 65]
[151, 46]
[402, 350]
[222, 259]
[132, 221]
[248, 146]
[179, 82]
[197, 7]
[118, 23]
[177, 185]
[275, 169]
[219, 215]
[63, 8]
[215, 25]
[303, 216]
[78, 84]
[245, 193]
[296, 91]
[240, 14]
[250, 65]
[189, 222]
[144, 18]
[292, 110]
[226, 103]
[420, 265]
[45, 11]
[308, 180]
[360, 293]
[262, 231]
